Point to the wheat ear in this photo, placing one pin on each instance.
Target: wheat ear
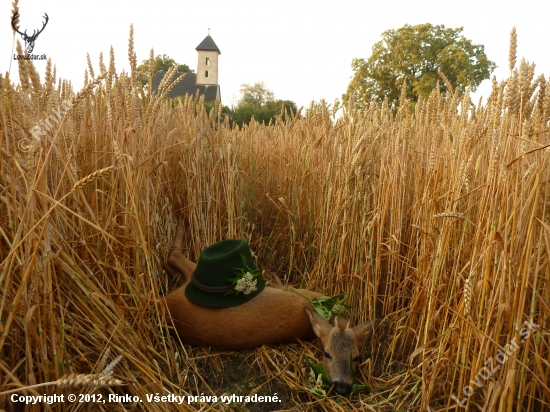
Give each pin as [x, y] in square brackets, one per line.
[450, 214]
[79, 380]
[98, 174]
[513, 49]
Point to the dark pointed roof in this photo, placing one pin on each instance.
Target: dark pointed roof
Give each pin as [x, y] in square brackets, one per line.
[208, 44]
[188, 87]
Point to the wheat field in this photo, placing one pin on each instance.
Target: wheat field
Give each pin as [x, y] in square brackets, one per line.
[436, 219]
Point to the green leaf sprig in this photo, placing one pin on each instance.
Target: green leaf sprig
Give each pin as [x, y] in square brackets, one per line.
[323, 383]
[326, 306]
[319, 377]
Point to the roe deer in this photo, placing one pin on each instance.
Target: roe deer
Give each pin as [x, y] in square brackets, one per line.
[273, 316]
[341, 346]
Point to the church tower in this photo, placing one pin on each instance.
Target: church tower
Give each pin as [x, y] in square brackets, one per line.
[207, 66]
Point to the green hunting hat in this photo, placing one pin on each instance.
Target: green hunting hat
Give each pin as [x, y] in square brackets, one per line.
[213, 281]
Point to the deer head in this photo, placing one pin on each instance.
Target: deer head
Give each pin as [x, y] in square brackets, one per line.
[29, 40]
[341, 346]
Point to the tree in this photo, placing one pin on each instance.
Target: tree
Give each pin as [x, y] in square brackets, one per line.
[259, 102]
[414, 54]
[162, 63]
[244, 112]
[256, 94]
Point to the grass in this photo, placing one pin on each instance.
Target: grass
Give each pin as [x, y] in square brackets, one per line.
[436, 219]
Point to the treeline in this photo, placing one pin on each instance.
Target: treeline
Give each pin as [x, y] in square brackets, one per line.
[264, 113]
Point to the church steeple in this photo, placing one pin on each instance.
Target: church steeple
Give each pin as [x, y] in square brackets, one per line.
[207, 65]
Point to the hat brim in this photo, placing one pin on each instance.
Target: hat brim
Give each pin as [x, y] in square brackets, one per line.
[220, 300]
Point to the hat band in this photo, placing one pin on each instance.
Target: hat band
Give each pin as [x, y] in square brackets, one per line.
[209, 289]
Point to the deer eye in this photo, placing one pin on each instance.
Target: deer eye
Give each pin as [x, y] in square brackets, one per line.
[327, 355]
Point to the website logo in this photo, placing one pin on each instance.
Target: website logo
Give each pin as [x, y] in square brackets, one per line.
[29, 40]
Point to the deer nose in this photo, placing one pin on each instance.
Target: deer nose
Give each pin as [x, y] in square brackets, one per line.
[342, 388]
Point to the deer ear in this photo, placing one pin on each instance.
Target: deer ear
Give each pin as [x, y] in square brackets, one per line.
[320, 326]
[363, 331]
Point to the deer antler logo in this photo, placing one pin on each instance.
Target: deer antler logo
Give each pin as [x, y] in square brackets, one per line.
[29, 40]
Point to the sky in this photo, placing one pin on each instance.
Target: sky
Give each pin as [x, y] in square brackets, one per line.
[302, 50]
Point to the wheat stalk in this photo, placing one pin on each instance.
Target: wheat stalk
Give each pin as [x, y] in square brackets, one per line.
[513, 49]
[132, 57]
[450, 214]
[102, 67]
[119, 157]
[15, 13]
[468, 295]
[111, 73]
[90, 67]
[448, 84]
[86, 90]
[98, 174]
[23, 69]
[151, 71]
[91, 381]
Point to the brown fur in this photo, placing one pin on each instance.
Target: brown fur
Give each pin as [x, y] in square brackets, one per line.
[273, 316]
[341, 345]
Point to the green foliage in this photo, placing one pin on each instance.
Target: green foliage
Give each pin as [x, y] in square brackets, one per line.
[162, 63]
[414, 54]
[258, 102]
[257, 94]
[322, 381]
[244, 112]
[265, 113]
[326, 306]
[319, 377]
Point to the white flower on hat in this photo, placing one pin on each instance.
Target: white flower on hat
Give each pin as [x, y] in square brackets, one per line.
[247, 284]
[246, 281]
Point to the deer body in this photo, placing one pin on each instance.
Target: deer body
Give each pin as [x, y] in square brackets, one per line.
[273, 316]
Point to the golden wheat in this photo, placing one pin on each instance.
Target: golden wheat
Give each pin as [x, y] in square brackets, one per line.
[513, 49]
[413, 216]
[98, 174]
[76, 381]
[447, 82]
[14, 12]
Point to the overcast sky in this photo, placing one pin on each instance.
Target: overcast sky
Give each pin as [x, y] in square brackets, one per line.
[301, 50]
